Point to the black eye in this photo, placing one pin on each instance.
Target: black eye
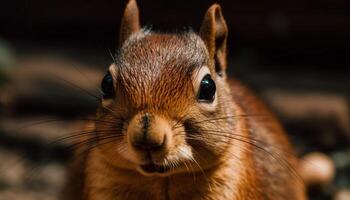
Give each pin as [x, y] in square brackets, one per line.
[107, 86]
[207, 89]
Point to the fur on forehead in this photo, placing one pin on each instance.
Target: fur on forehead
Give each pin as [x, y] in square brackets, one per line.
[146, 45]
[158, 63]
[151, 54]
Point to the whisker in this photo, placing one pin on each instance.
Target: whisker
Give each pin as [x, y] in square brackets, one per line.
[110, 110]
[112, 56]
[93, 143]
[231, 116]
[178, 122]
[216, 133]
[47, 121]
[86, 79]
[201, 169]
[274, 155]
[85, 133]
[74, 86]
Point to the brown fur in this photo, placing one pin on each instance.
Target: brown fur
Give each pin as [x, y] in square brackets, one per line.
[230, 149]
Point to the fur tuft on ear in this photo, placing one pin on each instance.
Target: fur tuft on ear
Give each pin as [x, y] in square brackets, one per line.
[130, 22]
[214, 34]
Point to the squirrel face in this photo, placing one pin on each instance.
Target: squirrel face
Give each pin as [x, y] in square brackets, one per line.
[167, 96]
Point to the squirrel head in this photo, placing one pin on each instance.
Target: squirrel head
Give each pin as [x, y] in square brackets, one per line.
[166, 101]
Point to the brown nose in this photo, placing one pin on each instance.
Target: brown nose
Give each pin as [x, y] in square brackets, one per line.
[148, 132]
[148, 144]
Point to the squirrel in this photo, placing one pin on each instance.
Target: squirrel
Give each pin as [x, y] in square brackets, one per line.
[172, 125]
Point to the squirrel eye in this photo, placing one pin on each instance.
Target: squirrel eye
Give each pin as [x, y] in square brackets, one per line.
[107, 86]
[207, 89]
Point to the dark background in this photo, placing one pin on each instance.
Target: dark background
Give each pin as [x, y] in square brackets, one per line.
[298, 49]
[296, 39]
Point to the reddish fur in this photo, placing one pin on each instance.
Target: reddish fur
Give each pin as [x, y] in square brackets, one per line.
[153, 75]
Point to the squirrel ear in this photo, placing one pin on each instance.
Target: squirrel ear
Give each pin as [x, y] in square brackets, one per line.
[214, 34]
[130, 22]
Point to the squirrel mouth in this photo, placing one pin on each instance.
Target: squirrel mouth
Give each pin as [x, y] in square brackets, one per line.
[153, 168]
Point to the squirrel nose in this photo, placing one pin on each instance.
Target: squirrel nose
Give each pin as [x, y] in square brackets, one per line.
[147, 132]
[147, 144]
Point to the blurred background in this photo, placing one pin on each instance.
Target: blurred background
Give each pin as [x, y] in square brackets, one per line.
[53, 54]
